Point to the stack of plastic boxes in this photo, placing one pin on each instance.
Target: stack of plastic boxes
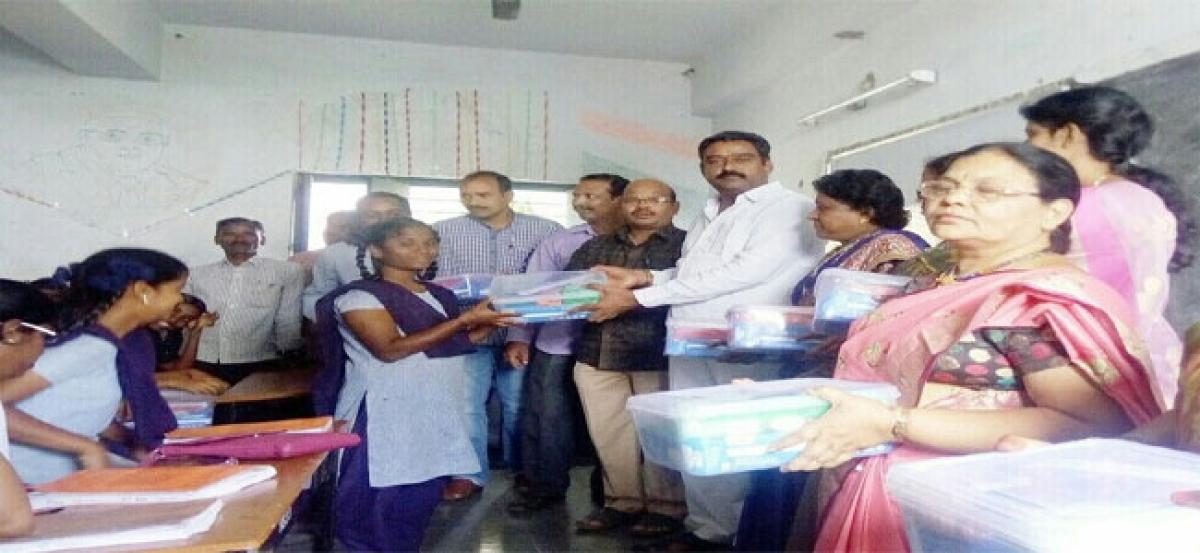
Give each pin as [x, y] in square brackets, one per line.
[190, 410]
[726, 429]
[1087, 496]
[468, 288]
[844, 296]
[548, 296]
[771, 328]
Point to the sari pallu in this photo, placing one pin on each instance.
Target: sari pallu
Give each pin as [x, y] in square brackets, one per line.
[897, 343]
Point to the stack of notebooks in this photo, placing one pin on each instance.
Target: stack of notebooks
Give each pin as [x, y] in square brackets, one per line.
[121, 506]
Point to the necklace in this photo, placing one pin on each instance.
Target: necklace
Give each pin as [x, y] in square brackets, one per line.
[952, 276]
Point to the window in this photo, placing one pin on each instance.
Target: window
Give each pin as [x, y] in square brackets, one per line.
[432, 200]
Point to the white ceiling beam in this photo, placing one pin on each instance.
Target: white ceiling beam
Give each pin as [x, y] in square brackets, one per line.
[100, 38]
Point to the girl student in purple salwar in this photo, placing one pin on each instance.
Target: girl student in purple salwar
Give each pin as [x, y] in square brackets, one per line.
[104, 354]
[392, 348]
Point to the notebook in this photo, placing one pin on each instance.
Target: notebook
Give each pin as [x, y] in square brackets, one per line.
[148, 485]
[94, 526]
[222, 431]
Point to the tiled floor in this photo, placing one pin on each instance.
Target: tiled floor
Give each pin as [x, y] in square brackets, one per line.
[481, 524]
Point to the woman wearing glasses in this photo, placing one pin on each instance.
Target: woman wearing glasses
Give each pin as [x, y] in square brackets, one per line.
[1013, 339]
[1132, 225]
[24, 312]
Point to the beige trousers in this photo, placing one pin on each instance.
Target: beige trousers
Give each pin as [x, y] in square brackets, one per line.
[631, 484]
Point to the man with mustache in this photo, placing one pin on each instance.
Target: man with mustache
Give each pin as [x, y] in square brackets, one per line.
[258, 300]
[750, 246]
[490, 239]
[547, 425]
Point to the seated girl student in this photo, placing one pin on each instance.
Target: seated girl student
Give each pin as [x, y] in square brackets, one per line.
[1132, 225]
[176, 341]
[392, 348]
[24, 315]
[75, 388]
[861, 210]
[1014, 340]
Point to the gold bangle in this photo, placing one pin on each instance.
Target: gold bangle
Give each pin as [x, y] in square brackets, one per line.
[900, 423]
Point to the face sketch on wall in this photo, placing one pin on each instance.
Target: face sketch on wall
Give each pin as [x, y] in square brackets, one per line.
[115, 176]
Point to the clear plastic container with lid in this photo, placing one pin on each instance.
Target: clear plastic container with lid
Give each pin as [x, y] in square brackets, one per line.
[843, 296]
[768, 327]
[190, 410]
[1087, 496]
[696, 339]
[468, 288]
[546, 296]
[727, 429]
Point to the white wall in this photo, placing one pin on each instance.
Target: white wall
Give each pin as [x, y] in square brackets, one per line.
[982, 50]
[232, 106]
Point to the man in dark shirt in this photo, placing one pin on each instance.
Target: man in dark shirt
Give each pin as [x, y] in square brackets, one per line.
[623, 357]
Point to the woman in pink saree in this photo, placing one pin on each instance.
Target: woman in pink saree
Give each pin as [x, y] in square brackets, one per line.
[1132, 226]
[1013, 340]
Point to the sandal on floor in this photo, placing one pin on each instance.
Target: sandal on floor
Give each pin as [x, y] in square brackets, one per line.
[653, 525]
[604, 520]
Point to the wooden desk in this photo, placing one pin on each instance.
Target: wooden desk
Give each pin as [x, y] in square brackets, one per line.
[252, 516]
[266, 386]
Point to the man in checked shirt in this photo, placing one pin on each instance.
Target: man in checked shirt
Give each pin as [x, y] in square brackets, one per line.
[490, 238]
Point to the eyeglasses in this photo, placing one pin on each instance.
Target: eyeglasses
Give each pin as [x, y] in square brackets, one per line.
[39, 328]
[735, 159]
[983, 191]
[656, 200]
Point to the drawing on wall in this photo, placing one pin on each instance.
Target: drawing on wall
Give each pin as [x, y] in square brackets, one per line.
[114, 177]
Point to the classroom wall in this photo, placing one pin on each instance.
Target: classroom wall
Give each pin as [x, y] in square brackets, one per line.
[238, 112]
[981, 49]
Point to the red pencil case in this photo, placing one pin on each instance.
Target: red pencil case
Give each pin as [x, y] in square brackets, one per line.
[281, 445]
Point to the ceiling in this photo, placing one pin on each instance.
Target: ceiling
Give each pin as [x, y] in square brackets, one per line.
[662, 30]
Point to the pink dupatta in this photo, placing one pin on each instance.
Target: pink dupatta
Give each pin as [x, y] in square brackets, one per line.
[898, 341]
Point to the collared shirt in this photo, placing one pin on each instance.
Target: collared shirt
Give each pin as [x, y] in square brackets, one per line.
[633, 341]
[552, 255]
[337, 265]
[259, 307]
[469, 245]
[752, 253]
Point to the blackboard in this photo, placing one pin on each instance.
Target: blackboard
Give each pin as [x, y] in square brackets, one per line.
[1170, 92]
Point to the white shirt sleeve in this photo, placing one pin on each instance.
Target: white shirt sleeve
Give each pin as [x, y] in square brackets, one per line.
[74, 359]
[356, 300]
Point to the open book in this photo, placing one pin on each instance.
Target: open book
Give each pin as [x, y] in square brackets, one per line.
[148, 485]
[223, 431]
[96, 526]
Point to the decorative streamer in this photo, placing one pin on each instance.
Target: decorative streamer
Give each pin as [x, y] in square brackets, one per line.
[457, 134]
[477, 164]
[545, 135]
[408, 130]
[362, 131]
[321, 137]
[387, 147]
[341, 134]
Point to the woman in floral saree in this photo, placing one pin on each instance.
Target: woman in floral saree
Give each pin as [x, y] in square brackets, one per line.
[1013, 340]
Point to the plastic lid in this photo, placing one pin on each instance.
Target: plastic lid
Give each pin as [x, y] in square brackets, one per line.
[533, 284]
[753, 396]
[1090, 495]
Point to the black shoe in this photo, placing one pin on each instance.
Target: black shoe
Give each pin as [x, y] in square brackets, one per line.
[682, 542]
[533, 503]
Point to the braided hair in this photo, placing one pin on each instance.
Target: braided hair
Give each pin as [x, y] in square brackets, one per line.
[376, 235]
[1117, 130]
[99, 281]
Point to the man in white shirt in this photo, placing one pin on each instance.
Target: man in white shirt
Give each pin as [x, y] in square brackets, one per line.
[750, 246]
[258, 300]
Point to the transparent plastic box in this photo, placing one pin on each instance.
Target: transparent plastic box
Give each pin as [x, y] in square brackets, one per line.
[1087, 496]
[726, 429]
[844, 296]
[765, 327]
[468, 288]
[191, 410]
[547, 296]
[694, 339]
